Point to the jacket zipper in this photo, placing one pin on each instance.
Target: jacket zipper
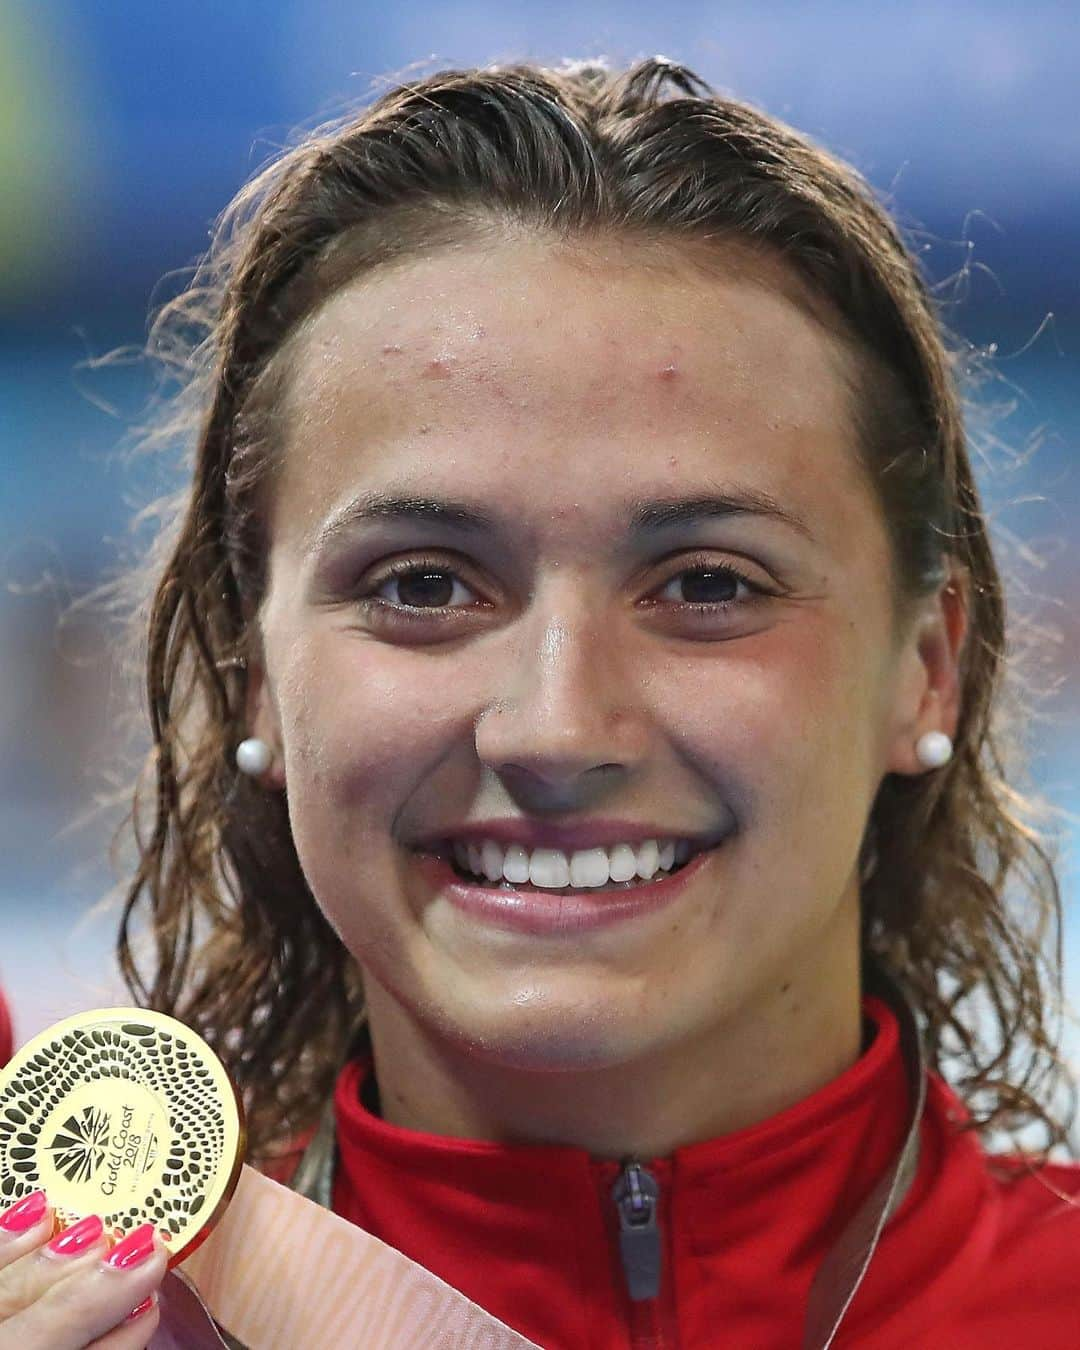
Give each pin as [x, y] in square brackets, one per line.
[637, 1200]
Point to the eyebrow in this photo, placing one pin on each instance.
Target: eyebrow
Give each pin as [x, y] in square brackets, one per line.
[646, 518]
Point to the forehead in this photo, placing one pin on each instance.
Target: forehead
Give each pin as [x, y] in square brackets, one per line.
[528, 368]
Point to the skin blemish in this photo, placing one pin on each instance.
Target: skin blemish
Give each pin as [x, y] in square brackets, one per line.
[392, 349]
[669, 373]
[438, 368]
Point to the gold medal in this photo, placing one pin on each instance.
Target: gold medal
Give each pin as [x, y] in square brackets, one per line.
[126, 1114]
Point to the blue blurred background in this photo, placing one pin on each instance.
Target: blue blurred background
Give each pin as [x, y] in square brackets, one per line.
[125, 127]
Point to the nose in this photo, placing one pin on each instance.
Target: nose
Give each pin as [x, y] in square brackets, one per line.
[563, 724]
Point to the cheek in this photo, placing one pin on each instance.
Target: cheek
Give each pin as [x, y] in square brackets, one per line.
[359, 730]
[362, 723]
[773, 717]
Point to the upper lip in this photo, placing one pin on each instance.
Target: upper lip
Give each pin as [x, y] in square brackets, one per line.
[532, 834]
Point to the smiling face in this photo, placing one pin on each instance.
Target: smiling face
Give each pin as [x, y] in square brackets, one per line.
[509, 425]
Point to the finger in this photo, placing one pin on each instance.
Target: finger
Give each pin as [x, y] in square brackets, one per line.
[93, 1302]
[24, 1226]
[25, 1281]
[135, 1331]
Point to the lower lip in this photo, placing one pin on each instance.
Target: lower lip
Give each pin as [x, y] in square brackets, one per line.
[554, 912]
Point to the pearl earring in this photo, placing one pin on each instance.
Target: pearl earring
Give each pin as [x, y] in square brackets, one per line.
[253, 756]
[933, 749]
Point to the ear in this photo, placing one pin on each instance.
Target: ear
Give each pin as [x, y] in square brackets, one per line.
[928, 690]
[263, 721]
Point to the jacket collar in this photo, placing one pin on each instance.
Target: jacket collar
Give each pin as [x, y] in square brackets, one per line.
[843, 1158]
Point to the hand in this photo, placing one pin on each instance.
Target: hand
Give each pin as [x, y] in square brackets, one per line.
[72, 1292]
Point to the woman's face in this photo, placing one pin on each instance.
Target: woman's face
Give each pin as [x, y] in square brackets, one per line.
[543, 439]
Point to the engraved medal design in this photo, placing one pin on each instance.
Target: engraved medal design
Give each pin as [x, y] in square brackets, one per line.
[126, 1114]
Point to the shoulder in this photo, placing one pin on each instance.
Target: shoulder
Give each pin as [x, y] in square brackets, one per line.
[281, 1165]
[1035, 1200]
[1030, 1204]
[1026, 1233]
[983, 1250]
[303, 1160]
[1030, 1283]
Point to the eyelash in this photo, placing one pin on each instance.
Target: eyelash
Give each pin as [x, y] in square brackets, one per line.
[440, 613]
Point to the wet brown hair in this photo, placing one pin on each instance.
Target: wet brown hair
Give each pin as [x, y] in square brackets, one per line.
[239, 948]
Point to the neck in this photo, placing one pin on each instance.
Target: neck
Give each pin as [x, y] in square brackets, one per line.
[750, 1065]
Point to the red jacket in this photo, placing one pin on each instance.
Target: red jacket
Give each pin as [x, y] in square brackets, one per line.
[531, 1232]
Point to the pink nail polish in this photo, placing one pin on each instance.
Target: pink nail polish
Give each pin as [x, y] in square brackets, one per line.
[24, 1213]
[143, 1307]
[137, 1247]
[75, 1240]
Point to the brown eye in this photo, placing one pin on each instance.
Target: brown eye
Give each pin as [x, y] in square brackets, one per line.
[421, 586]
[707, 585]
[424, 588]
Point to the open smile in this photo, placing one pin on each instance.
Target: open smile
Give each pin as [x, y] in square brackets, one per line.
[526, 907]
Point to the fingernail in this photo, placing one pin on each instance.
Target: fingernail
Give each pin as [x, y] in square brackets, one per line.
[143, 1307]
[137, 1247]
[24, 1213]
[77, 1238]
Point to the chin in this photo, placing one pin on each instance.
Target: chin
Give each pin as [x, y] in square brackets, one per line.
[538, 1035]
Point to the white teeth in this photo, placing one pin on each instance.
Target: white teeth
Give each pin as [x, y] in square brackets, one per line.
[558, 869]
[623, 863]
[589, 867]
[648, 859]
[491, 855]
[548, 867]
[516, 864]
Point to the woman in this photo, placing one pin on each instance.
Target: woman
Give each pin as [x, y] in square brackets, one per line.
[574, 677]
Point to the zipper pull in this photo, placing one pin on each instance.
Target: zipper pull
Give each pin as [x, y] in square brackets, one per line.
[637, 1197]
